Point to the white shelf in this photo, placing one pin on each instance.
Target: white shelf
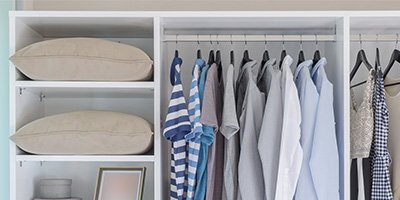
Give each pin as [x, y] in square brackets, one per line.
[69, 89]
[85, 158]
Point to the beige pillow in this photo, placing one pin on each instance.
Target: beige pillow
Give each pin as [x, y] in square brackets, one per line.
[86, 132]
[83, 59]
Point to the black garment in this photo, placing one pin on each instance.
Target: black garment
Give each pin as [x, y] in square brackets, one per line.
[367, 172]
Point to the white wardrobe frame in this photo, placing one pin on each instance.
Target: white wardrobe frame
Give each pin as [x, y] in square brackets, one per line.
[347, 24]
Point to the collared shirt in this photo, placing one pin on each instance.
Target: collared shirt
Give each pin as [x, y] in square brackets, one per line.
[324, 161]
[229, 128]
[211, 116]
[251, 181]
[177, 125]
[308, 97]
[271, 129]
[197, 129]
[291, 154]
[206, 140]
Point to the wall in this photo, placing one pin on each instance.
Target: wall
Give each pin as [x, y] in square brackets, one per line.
[208, 5]
[5, 6]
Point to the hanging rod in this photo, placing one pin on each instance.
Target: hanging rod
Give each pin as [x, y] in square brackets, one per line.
[249, 38]
[374, 38]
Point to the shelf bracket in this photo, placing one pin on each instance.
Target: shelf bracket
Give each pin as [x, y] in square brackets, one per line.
[41, 96]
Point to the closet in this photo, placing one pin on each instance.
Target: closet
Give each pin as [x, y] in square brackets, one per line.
[159, 34]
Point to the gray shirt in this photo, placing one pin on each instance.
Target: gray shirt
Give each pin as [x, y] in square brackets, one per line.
[250, 173]
[229, 128]
[211, 115]
[270, 135]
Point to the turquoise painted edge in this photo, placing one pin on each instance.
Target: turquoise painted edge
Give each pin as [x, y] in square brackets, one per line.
[5, 6]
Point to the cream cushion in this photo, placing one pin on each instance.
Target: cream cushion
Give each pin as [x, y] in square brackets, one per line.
[83, 59]
[86, 132]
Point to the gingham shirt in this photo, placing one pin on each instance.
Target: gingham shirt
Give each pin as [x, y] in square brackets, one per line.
[381, 189]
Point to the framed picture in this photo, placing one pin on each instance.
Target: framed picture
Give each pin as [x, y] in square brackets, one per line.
[120, 183]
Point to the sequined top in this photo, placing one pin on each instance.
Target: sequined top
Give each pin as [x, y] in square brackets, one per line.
[362, 121]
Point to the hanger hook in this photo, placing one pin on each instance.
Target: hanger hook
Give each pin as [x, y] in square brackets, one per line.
[231, 42]
[218, 41]
[316, 41]
[301, 42]
[211, 42]
[283, 42]
[359, 37]
[245, 41]
[265, 41]
[198, 42]
[176, 41]
[397, 39]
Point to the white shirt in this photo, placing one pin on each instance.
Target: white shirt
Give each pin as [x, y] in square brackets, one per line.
[271, 129]
[291, 154]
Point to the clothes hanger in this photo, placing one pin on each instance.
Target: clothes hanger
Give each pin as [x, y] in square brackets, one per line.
[218, 61]
[377, 62]
[211, 54]
[176, 47]
[317, 55]
[361, 58]
[199, 49]
[395, 57]
[301, 53]
[265, 56]
[246, 57]
[283, 53]
[232, 54]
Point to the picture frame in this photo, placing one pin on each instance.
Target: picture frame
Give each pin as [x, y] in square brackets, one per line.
[120, 183]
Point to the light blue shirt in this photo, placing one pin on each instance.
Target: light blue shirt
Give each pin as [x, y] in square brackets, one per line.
[206, 139]
[324, 161]
[308, 97]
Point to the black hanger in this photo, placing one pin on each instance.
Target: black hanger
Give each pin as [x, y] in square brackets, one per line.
[218, 61]
[265, 56]
[283, 53]
[199, 49]
[232, 54]
[176, 47]
[394, 58]
[301, 58]
[211, 54]
[317, 55]
[246, 57]
[301, 53]
[361, 58]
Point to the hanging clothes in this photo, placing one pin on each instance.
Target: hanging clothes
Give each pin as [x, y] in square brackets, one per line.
[393, 104]
[324, 161]
[381, 188]
[361, 135]
[177, 126]
[291, 154]
[212, 117]
[206, 140]
[229, 128]
[197, 129]
[308, 97]
[250, 173]
[269, 141]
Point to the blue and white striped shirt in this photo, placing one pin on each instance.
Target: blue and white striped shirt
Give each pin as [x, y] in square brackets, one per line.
[177, 126]
[197, 129]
